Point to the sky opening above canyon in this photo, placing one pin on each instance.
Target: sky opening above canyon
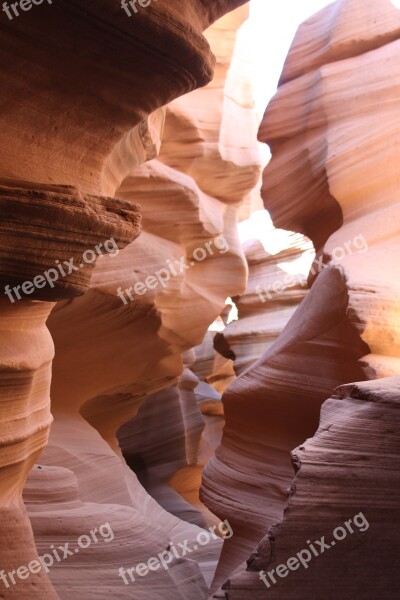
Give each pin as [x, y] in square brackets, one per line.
[269, 33]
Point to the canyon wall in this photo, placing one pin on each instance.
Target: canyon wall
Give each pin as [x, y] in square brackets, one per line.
[333, 131]
[77, 120]
[129, 153]
[276, 286]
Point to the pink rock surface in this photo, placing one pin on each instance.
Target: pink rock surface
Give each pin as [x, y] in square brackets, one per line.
[270, 300]
[76, 119]
[111, 354]
[333, 177]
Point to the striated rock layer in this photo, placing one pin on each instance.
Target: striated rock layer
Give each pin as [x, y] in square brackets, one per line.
[275, 288]
[125, 339]
[272, 408]
[345, 494]
[75, 120]
[332, 129]
[26, 348]
[79, 103]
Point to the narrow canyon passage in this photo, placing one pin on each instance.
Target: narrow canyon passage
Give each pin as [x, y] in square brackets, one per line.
[199, 324]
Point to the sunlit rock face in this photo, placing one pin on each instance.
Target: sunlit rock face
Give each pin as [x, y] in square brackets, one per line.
[84, 173]
[82, 89]
[333, 130]
[275, 288]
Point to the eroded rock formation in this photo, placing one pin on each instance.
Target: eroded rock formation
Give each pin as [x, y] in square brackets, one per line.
[333, 177]
[342, 520]
[30, 248]
[101, 111]
[112, 350]
[276, 286]
[76, 119]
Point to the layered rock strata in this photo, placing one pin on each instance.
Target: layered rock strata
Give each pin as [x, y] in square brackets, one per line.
[75, 121]
[333, 177]
[344, 529]
[282, 392]
[28, 265]
[276, 286]
[111, 352]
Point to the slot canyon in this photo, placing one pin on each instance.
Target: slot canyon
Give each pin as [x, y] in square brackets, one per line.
[200, 307]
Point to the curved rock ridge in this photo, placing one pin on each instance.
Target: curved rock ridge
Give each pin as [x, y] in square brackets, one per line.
[140, 144]
[343, 29]
[333, 131]
[112, 373]
[76, 119]
[168, 454]
[199, 139]
[61, 511]
[203, 420]
[114, 352]
[79, 101]
[192, 215]
[79, 222]
[156, 449]
[272, 407]
[321, 104]
[25, 387]
[194, 158]
[359, 516]
[187, 480]
[29, 248]
[275, 288]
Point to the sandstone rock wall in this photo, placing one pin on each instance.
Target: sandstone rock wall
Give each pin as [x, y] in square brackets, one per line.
[82, 90]
[332, 128]
[345, 528]
[275, 288]
[100, 112]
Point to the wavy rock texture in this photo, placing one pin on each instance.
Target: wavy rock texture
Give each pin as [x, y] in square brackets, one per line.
[75, 120]
[81, 101]
[168, 454]
[112, 354]
[272, 407]
[25, 383]
[333, 130]
[359, 436]
[29, 248]
[157, 448]
[187, 480]
[275, 288]
[321, 106]
[199, 156]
